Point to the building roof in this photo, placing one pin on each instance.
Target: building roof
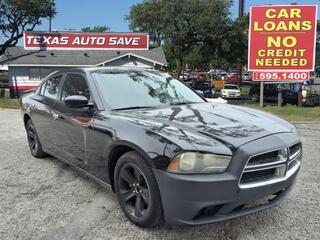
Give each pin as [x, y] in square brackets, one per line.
[18, 56]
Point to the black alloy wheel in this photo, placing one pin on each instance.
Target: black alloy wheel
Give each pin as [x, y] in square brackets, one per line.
[137, 190]
[134, 190]
[32, 138]
[33, 141]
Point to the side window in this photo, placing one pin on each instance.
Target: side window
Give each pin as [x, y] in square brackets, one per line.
[75, 84]
[51, 87]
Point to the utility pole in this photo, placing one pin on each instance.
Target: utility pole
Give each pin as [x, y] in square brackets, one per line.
[241, 7]
[241, 10]
[50, 24]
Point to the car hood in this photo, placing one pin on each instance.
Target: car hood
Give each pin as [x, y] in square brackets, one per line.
[205, 123]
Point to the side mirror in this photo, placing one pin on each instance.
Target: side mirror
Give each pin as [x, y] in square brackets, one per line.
[200, 92]
[76, 101]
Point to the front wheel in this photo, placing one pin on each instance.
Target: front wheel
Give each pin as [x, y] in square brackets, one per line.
[33, 141]
[137, 190]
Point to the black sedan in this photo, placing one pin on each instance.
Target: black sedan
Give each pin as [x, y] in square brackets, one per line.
[164, 150]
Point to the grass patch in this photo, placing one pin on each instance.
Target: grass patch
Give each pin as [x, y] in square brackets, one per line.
[9, 103]
[291, 113]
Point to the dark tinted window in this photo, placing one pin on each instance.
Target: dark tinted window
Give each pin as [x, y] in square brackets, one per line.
[75, 84]
[50, 87]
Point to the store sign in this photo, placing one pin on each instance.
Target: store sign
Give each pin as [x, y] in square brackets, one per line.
[82, 41]
[282, 41]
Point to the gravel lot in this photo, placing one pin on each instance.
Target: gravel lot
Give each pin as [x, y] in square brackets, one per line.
[46, 199]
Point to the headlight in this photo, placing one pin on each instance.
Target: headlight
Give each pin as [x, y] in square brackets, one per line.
[194, 163]
[283, 154]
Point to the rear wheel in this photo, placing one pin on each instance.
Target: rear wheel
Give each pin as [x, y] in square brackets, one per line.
[137, 190]
[33, 141]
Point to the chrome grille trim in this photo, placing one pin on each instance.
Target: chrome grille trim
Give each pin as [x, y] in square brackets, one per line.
[283, 168]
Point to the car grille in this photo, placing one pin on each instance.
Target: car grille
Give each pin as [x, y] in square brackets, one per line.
[269, 167]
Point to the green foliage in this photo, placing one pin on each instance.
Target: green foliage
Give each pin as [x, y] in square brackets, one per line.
[147, 17]
[318, 44]
[96, 29]
[197, 33]
[17, 16]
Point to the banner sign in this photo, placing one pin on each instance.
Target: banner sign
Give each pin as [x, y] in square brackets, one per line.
[83, 41]
[281, 76]
[282, 38]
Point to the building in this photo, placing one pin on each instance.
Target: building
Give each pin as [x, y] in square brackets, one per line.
[27, 68]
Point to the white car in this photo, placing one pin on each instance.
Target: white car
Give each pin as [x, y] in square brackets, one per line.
[230, 91]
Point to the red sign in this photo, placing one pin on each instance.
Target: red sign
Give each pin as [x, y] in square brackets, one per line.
[93, 41]
[282, 38]
[281, 76]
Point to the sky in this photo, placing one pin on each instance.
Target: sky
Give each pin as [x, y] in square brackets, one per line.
[72, 15]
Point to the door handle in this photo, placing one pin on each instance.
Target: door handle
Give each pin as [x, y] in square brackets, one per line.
[55, 116]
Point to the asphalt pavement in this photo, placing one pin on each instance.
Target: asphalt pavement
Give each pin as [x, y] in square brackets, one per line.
[46, 199]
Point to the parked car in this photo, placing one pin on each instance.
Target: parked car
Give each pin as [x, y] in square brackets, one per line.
[246, 77]
[271, 93]
[205, 87]
[202, 77]
[222, 75]
[232, 78]
[164, 150]
[230, 91]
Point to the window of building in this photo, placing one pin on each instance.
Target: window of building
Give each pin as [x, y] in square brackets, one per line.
[37, 74]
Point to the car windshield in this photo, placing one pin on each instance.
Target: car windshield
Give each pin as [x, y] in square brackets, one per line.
[231, 87]
[137, 89]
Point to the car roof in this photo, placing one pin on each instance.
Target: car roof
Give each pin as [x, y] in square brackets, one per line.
[106, 69]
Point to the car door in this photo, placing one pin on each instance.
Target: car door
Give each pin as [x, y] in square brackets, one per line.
[73, 124]
[42, 114]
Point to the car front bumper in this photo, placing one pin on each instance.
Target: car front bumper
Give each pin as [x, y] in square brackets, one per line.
[200, 199]
[231, 95]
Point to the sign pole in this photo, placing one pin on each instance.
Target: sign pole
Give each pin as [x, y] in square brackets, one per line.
[300, 96]
[279, 96]
[261, 93]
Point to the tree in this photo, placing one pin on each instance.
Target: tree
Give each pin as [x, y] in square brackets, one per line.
[318, 44]
[182, 27]
[147, 17]
[98, 29]
[17, 16]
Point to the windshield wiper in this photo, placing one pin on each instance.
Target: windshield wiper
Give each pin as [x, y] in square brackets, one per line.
[133, 107]
[182, 103]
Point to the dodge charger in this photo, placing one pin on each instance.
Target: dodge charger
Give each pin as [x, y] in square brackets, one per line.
[167, 153]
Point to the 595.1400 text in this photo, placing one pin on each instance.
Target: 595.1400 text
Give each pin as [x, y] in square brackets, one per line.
[281, 76]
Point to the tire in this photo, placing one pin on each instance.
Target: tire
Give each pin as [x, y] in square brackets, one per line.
[254, 98]
[34, 141]
[137, 190]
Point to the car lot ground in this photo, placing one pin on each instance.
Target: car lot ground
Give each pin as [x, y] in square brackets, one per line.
[46, 199]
